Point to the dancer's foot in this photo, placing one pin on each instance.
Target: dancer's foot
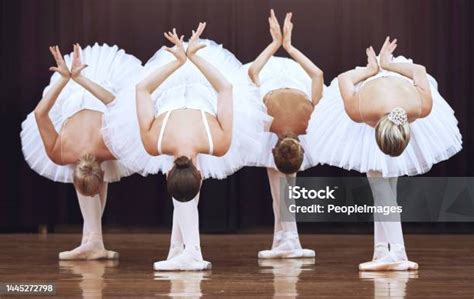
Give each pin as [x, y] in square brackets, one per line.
[85, 238]
[186, 261]
[288, 247]
[92, 250]
[394, 260]
[388, 264]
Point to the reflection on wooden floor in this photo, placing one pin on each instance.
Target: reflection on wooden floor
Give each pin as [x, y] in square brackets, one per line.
[446, 268]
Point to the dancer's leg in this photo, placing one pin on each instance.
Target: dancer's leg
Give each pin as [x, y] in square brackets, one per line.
[103, 200]
[91, 209]
[286, 243]
[176, 242]
[103, 196]
[380, 238]
[274, 177]
[388, 227]
[384, 193]
[188, 220]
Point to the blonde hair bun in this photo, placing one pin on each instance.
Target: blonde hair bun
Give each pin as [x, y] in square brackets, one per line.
[88, 175]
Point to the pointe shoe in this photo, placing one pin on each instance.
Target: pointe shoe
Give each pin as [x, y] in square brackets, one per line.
[388, 263]
[288, 248]
[89, 251]
[112, 255]
[183, 262]
[286, 254]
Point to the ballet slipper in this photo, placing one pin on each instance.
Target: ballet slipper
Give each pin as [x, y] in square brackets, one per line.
[92, 250]
[84, 253]
[110, 254]
[183, 262]
[289, 247]
[388, 263]
[287, 254]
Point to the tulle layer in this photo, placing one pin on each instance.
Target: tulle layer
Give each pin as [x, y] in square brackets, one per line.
[188, 88]
[280, 72]
[108, 66]
[338, 141]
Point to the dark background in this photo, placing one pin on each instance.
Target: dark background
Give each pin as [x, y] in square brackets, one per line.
[333, 33]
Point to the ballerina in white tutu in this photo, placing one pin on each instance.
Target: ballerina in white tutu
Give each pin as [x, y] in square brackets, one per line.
[290, 89]
[387, 120]
[62, 138]
[191, 130]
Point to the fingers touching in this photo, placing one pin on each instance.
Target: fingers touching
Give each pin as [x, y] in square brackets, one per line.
[195, 34]
[272, 20]
[388, 46]
[288, 25]
[172, 36]
[370, 52]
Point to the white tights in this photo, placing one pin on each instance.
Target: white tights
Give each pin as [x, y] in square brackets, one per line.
[388, 231]
[282, 228]
[185, 230]
[92, 244]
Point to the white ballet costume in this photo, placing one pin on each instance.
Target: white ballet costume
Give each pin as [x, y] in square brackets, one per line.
[113, 69]
[338, 141]
[187, 88]
[279, 73]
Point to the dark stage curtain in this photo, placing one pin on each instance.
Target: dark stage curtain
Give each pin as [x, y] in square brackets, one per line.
[333, 33]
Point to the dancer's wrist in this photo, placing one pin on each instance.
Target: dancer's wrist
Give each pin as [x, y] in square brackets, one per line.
[275, 45]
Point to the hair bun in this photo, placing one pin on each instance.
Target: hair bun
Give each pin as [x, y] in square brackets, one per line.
[182, 162]
[289, 147]
[86, 168]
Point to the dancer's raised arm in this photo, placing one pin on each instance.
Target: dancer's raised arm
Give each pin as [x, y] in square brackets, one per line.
[221, 85]
[95, 89]
[145, 88]
[315, 73]
[349, 79]
[268, 52]
[413, 71]
[45, 125]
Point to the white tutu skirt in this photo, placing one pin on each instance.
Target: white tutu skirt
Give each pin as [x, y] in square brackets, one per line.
[111, 68]
[279, 73]
[188, 88]
[338, 141]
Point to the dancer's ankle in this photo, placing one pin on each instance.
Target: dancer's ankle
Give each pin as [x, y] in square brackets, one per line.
[398, 250]
[277, 238]
[194, 251]
[85, 238]
[96, 240]
[293, 238]
[177, 245]
[380, 250]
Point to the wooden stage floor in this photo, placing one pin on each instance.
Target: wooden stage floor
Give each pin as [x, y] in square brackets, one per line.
[446, 268]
